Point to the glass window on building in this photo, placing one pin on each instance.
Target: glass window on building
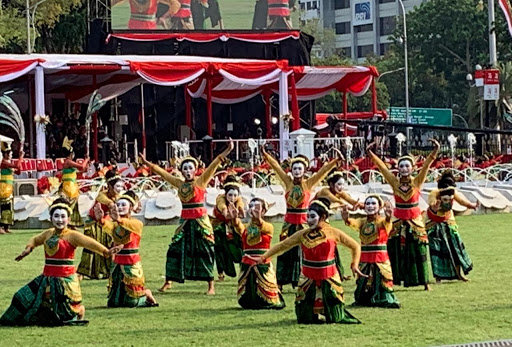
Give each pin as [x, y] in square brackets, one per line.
[387, 25]
[342, 28]
[340, 4]
[314, 5]
[384, 48]
[344, 52]
[363, 51]
[308, 5]
[302, 6]
[363, 28]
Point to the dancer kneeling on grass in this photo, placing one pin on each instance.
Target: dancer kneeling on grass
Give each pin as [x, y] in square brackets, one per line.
[257, 284]
[377, 288]
[191, 253]
[228, 246]
[53, 298]
[126, 281]
[448, 255]
[320, 296]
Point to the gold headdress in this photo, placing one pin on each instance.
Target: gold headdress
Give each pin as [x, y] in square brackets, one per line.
[300, 159]
[335, 173]
[189, 158]
[321, 204]
[62, 205]
[67, 144]
[132, 199]
[407, 157]
[5, 147]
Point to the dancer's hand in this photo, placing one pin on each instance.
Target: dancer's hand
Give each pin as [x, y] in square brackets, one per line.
[23, 254]
[98, 211]
[370, 147]
[259, 260]
[344, 213]
[114, 250]
[388, 209]
[114, 213]
[144, 160]
[356, 271]
[229, 148]
[358, 205]
[475, 205]
[435, 143]
[436, 206]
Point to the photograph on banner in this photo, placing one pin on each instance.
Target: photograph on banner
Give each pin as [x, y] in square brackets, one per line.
[208, 14]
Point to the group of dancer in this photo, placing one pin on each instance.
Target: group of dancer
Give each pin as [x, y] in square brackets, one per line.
[393, 247]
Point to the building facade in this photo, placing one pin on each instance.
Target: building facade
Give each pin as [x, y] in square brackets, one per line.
[362, 27]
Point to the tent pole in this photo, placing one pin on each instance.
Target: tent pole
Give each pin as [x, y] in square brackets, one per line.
[284, 112]
[209, 109]
[40, 110]
[374, 97]
[295, 104]
[345, 112]
[94, 126]
[268, 113]
[188, 108]
[143, 119]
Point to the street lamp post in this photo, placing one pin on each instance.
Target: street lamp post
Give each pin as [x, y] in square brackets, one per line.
[29, 48]
[406, 65]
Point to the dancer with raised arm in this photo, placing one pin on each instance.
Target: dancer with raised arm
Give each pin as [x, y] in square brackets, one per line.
[408, 241]
[257, 284]
[320, 296]
[8, 168]
[53, 298]
[93, 265]
[336, 193]
[191, 253]
[377, 288]
[448, 255]
[126, 282]
[298, 195]
[228, 245]
[69, 187]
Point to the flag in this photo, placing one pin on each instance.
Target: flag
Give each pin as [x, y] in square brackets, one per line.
[507, 11]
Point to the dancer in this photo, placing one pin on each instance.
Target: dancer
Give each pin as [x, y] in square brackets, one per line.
[126, 282]
[94, 265]
[53, 298]
[336, 193]
[377, 288]
[279, 14]
[143, 13]
[191, 253]
[228, 245]
[182, 19]
[257, 284]
[69, 188]
[320, 296]
[448, 255]
[8, 168]
[298, 195]
[408, 241]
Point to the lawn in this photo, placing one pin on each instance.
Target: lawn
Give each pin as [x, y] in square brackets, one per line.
[236, 15]
[453, 312]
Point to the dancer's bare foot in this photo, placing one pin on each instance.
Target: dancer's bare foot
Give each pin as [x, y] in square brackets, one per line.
[438, 280]
[80, 277]
[2, 231]
[81, 312]
[167, 285]
[150, 298]
[211, 288]
[221, 278]
[7, 231]
[428, 287]
[347, 278]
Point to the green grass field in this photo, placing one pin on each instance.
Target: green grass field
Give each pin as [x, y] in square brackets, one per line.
[236, 15]
[453, 312]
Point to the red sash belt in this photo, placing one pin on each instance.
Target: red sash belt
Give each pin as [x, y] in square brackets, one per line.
[55, 267]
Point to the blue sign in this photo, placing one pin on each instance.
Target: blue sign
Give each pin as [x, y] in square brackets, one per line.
[362, 12]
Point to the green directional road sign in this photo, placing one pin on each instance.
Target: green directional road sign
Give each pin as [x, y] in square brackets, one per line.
[428, 116]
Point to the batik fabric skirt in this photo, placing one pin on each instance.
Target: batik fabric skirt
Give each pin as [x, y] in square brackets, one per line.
[228, 249]
[322, 301]
[191, 254]
[289, 263]
[407, 251]
[257, 287]
[7, 212]
[447, 252]
[46, 301]
[126, 286]
[377, 288]
[93, 265]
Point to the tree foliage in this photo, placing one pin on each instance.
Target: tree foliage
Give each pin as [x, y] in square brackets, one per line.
[61, 21]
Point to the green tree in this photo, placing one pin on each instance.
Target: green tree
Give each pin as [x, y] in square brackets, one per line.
[48, 14]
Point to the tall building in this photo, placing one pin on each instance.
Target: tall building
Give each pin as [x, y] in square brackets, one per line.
[362, 27]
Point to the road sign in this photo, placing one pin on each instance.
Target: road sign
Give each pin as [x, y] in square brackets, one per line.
[426, 116]
[491, 84]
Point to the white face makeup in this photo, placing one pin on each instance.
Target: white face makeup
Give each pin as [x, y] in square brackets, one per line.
[313, 218]
[404, 168]
[446, 202]
[232, 195]
[339, 186]
[298, 170]
[119, 187]
[371, 206]
[188, 170]
[123, 207]
[60, 218]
